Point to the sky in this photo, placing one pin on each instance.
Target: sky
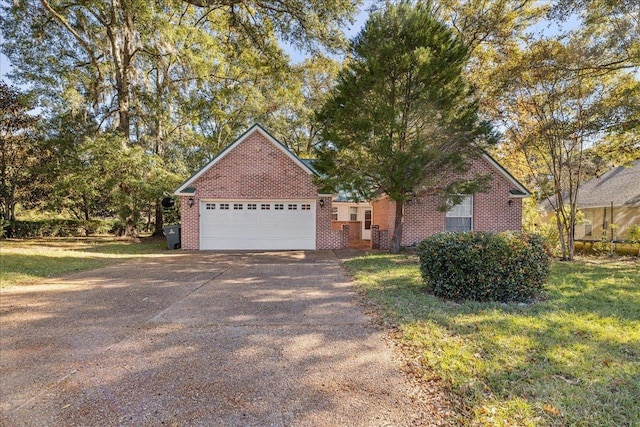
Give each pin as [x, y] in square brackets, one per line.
[5, 66]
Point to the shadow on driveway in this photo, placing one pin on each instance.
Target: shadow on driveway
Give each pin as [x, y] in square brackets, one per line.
[201, 338]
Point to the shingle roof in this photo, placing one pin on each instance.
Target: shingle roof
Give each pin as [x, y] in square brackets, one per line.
[620, 185]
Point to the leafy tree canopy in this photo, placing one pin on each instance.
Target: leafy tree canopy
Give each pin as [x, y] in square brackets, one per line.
[402, 118]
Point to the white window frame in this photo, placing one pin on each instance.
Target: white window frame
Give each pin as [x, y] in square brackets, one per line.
[588, 223]
[458, 212]
[353, 213]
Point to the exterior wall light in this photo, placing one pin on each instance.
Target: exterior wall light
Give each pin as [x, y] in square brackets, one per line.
[191, 201]
[321, 203]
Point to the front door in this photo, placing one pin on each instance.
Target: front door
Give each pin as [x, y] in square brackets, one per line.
[366, 225]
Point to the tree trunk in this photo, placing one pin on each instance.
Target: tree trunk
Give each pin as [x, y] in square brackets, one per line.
[571, 233]
[563, 243]
[396, 239]
[130, 227]
[11, 204]
[158, 232]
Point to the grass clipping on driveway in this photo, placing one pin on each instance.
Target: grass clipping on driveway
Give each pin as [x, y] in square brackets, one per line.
[571, 359]
[29, 261]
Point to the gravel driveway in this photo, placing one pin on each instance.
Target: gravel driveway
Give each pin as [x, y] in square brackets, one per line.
[201, 339]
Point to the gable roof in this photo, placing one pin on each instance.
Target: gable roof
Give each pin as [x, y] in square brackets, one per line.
[519, 190]
[619, 185]
[186, 190]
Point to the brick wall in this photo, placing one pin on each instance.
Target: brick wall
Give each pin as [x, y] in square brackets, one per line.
[355, 228]
[491, 210]
[256, 169]
[326, 236]
[379, 238]
[383, 214]
[189, 224]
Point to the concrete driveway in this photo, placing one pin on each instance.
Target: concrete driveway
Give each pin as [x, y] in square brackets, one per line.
[201, 339]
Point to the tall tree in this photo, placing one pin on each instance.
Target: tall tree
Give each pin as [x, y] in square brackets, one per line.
[77, 185]
[561, 113]
[175, 79]
[610, 28]
[402, 118]
[296, 126]
[19, 151]
[313, 25]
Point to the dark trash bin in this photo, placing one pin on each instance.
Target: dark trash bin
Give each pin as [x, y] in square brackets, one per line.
[173, 236]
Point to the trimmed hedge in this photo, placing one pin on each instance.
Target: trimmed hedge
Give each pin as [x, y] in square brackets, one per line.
[56, 228]
[484, 266]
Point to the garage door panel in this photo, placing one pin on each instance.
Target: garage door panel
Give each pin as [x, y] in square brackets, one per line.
[263, 229]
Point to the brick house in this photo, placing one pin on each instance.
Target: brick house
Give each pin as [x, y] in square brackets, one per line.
[497, 209]
[257, 195]
[357, 214]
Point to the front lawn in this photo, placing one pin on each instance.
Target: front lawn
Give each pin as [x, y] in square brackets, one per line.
[570, 359]
[28, 261]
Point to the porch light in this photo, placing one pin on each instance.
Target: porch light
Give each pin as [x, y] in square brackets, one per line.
[191, 201]
[321, 203]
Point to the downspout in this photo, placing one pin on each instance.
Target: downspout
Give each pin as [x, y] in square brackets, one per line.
[611, 224]
[604, 225]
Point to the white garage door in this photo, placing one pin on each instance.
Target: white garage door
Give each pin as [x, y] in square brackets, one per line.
[262, 225]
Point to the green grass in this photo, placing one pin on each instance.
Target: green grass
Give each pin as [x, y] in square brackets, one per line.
[26, 262]
[571, 359]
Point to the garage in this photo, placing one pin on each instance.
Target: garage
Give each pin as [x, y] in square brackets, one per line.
[256, 194]
[257, 224]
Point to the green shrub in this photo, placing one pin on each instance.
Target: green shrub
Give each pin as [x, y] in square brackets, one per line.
[57, 228]
[484, 266]
[4, 224]
[634, 233]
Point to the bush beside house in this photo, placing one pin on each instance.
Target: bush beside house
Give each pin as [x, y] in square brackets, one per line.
[484, 266]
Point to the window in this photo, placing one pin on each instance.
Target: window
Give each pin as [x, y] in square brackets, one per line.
[334, 213]
[278, 206]
[237, 206]
[305, 207]
[252, 206]
[265, 206]
[459, 217]
[292, 207]
[367, 219]
[353, 214]
[588, 223]
[224, 206]
[210, 206]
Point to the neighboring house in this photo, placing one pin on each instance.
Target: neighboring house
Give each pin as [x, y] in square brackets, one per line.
[257, 195]
[610, 204]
